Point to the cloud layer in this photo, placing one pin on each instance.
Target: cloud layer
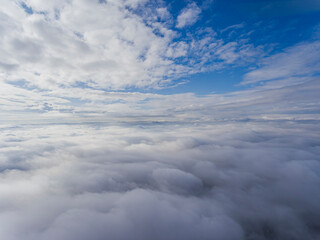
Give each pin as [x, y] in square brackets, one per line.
[251, 180]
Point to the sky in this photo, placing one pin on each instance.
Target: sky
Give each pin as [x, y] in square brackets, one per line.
[158, 119]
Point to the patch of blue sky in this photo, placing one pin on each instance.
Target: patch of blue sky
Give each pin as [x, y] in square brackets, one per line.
[75, 101]
[30, 11]
[26, 8]
[209, 83]
[79, 84]
[22, 83]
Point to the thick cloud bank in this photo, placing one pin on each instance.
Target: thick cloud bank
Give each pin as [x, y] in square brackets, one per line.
[236, 180]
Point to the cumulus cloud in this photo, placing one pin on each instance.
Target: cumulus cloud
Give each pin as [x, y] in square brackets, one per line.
[101, 44]
[234, 180]
[74, 55]
[188, 16]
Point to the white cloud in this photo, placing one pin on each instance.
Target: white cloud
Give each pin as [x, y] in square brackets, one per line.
[188, 16]
[106, 45]
[229, 181]
[291, 98]
[300, 60]
[232, 27]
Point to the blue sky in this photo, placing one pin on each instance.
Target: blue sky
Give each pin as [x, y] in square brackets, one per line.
[78, 55]
[264, 23]
[267, 27]
[99, 58]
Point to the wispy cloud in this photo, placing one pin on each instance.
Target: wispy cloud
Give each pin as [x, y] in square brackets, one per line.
[300, 60]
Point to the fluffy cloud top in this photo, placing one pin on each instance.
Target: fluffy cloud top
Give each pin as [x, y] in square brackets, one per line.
[225, 181]
[99, 44]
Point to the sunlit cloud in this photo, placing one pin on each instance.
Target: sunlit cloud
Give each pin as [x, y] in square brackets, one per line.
[149, 119]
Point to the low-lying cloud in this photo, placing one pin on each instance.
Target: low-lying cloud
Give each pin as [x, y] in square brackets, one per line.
[233, 180]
